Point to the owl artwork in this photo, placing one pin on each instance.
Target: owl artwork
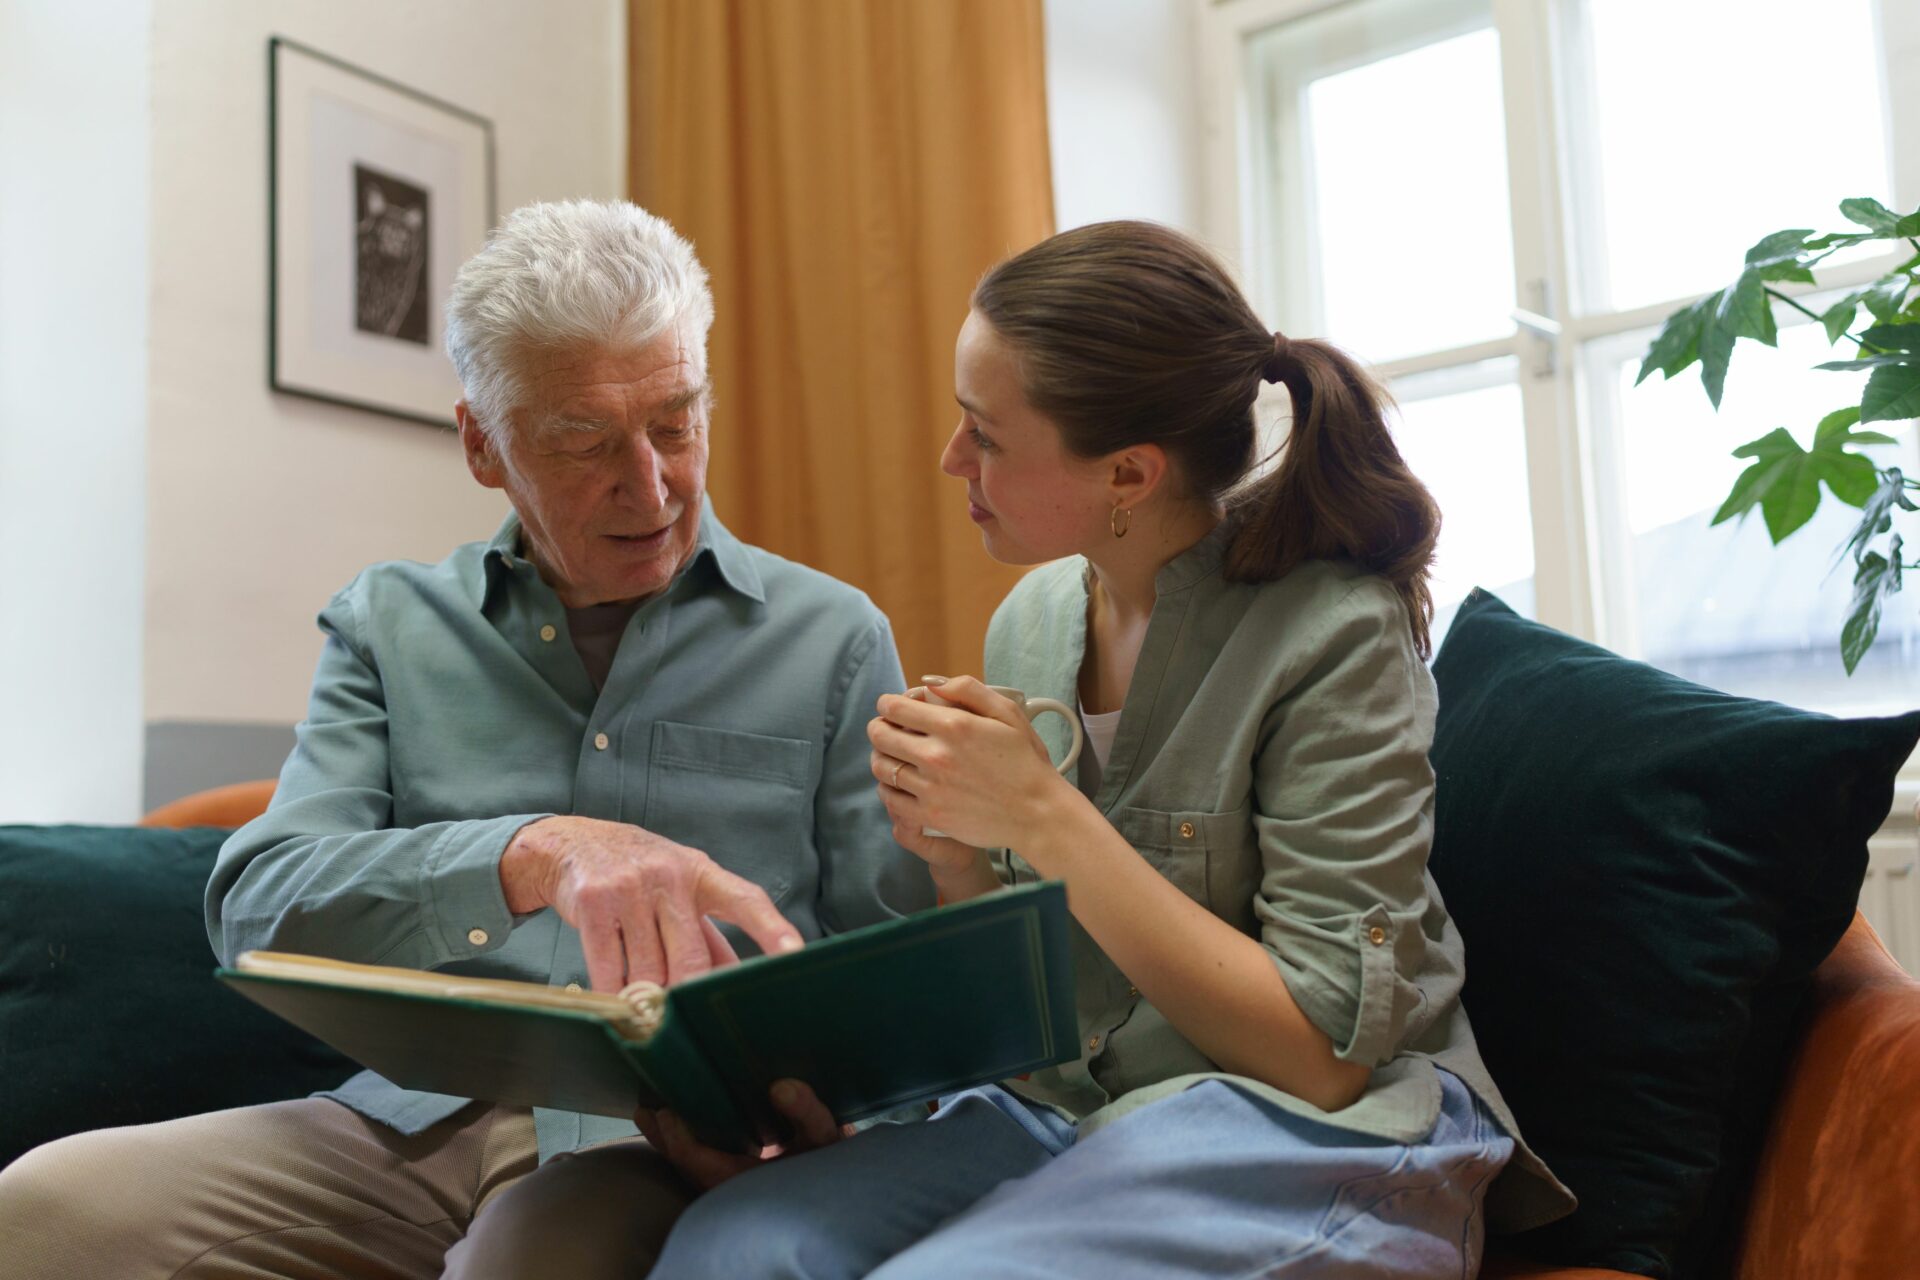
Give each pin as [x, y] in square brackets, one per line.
[390, 255]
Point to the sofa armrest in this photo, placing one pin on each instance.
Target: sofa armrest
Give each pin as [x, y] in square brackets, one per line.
[234, 805]
[1835, 1195]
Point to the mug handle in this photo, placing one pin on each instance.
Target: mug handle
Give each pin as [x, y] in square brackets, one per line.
[1037, 707]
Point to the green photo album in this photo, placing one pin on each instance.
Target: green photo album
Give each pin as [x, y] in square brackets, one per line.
[873, 1019]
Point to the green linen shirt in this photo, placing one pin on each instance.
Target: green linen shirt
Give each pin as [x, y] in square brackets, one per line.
[450, 709]
[1271, 761]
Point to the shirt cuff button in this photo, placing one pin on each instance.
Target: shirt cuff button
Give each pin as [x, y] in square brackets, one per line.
[1376, 935]
[478, 937]
[547, 632]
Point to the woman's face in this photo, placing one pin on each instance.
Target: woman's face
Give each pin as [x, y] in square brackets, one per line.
[1033, 500]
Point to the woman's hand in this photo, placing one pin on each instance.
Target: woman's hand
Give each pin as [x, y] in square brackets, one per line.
[706, 1167]
[975, 770]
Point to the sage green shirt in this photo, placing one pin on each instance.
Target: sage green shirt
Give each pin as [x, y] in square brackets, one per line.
[1271, 761]
[450, 709]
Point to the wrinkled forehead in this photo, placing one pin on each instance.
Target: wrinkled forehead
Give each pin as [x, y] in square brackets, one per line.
[598, 413]
[599, 385]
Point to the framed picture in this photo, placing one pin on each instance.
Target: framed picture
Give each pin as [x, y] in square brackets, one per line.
[376, 195]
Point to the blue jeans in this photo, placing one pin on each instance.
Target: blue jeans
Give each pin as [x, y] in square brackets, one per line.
[1208, 1182]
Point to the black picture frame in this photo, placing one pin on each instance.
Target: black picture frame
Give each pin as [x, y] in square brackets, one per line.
[376, 193]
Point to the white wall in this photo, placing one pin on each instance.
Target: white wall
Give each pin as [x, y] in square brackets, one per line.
[149, 130]
[1123, 111]
[73, 332]
[261, 505]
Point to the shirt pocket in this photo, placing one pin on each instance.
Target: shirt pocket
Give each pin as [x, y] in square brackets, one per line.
[1173, 842]
[1211, 856]
[744, 799]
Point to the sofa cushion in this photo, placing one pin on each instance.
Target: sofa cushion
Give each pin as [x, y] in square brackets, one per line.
[1646, 873]
[109, 1014]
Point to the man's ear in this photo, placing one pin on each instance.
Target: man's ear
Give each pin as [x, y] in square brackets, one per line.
[482, 459]
[1136, 473]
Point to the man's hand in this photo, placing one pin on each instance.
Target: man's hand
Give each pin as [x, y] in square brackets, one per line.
[813, 1126]
[640, 901]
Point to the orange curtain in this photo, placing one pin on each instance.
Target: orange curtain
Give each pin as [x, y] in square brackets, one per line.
[846, 169]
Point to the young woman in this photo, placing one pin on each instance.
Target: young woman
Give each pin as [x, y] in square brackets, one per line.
[1276, 1075]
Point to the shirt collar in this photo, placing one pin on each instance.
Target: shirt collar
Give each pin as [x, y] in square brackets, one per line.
[728, 554]
[1197, 561]
[715, 543]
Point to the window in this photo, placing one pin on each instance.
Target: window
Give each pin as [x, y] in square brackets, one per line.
[1497, 202]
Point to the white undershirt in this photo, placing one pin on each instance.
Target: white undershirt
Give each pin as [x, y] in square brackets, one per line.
[1100, 727]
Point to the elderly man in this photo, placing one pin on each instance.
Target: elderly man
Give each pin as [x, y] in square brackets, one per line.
[560, 756]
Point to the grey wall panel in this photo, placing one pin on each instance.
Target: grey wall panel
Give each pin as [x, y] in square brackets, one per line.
[184, 756]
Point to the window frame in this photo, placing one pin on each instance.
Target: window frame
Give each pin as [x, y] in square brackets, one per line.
[1582, 547]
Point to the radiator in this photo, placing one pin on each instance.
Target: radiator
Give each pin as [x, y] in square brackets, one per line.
[1890, 898]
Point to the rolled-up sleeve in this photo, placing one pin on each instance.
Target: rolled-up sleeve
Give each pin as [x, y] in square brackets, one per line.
[324, 872]
[1343, 813]
[864, 876]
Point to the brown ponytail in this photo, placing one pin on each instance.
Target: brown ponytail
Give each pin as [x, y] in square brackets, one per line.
[1130, 333]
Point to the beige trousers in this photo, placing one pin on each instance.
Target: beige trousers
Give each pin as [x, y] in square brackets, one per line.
[310, 1189]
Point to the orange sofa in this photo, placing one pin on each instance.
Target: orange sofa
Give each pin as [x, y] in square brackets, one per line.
[1837, 1193]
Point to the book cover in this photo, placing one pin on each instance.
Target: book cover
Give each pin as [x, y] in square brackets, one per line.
[872, 1019]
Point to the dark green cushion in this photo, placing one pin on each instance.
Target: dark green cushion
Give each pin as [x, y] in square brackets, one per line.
[1645, 873]
[109, 1013]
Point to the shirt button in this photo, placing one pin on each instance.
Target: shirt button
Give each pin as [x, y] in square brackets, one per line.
[599, 742]
[547, 632]
[1186, 831]
[1376, 935]
[478, 937]
[1093, 1042]
[1133, 991]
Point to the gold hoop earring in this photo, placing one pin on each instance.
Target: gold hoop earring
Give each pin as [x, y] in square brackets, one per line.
[1120, 521]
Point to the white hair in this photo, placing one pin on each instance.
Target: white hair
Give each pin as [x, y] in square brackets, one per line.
[565, 274]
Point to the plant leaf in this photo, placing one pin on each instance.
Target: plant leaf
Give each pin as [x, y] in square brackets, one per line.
[1778, 442]
[1834, 425]
[1776, 456]
[1784, 480]
[1678, 343]
[1777, 257]
[1895, 337]
[1851, 477]
[1879, 361]
[1876, 517]
[1884, 298]
[1751, 487]
[1716, 352]
[1791, 501]
[1746, 311]
[1838, 318]
[1839, 240]
[1781, 246]
[1872, 215]
[1871, 583]
[1892, 394]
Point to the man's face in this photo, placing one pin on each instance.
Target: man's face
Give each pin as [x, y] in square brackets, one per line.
[606, 465]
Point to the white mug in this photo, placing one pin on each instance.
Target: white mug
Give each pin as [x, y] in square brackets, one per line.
[1032, 708]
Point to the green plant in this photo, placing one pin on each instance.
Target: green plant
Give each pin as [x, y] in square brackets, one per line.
[1784, 480]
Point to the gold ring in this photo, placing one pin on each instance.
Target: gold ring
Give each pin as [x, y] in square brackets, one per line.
[894, 781]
